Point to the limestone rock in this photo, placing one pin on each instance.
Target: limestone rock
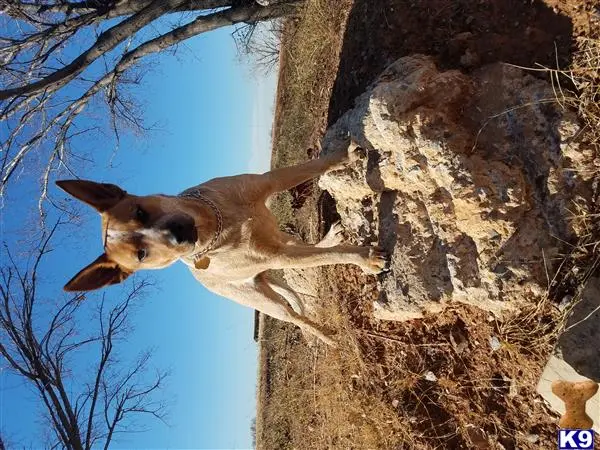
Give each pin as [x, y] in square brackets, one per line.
[464, 179]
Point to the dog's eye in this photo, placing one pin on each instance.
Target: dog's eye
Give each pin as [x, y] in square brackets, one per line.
[141, 215]
[141, 254]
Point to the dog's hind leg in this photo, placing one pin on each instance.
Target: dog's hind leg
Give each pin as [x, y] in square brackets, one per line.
[259, 294]
[333, 237]
[273, 305]
[283, 289]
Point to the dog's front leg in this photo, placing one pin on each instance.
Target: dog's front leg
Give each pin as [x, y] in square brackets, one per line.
[372, 260]
[288, 177]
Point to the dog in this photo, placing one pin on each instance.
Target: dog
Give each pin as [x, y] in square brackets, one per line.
[224, 231]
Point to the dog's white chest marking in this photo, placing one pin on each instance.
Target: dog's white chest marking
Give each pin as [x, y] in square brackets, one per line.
[114, 236]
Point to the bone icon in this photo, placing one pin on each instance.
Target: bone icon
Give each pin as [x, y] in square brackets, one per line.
[575, 395]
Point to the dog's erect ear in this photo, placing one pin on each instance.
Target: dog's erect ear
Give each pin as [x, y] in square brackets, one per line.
[102, 272]
[101, 196]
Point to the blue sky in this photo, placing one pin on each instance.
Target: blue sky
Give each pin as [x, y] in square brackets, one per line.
[215, 119]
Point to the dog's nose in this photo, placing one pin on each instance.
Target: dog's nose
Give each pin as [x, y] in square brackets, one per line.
[183, 231]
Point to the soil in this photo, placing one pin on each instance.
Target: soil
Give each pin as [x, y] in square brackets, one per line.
[447, 374]
[465, 35]
[462, 34]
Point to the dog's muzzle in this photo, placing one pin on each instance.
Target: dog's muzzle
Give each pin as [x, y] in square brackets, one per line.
[182, 229]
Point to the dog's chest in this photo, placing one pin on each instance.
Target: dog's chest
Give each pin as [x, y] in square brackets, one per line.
[248, 242]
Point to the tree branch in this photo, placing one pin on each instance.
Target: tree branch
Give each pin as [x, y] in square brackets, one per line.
[43, 357]
[109, 10]
[107, 40]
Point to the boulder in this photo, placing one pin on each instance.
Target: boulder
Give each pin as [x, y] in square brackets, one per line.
[464, 179]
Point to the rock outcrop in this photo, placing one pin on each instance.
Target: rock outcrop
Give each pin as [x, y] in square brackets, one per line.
[465, 179]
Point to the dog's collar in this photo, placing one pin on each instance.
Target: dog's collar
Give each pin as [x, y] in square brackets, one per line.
[195, 193]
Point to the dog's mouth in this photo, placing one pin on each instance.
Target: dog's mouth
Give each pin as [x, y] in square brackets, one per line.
[185, 236]
[183, 231]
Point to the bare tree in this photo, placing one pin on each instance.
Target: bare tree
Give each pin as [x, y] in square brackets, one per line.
[40, 341]
[260, 43]
[44, 89]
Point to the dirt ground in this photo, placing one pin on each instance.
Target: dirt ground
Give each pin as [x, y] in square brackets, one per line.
[461, 379]
[461, 34]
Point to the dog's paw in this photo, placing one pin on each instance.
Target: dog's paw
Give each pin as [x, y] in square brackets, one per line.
[335, 236]
[336, 233]
[330, 340]
[377, 261]
[347, 154]
[314, 335]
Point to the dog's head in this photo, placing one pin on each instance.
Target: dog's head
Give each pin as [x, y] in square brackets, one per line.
[149, 232]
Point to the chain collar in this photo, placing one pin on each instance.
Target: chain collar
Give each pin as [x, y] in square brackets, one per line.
[195, 193]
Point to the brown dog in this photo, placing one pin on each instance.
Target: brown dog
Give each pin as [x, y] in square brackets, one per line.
[223, 231]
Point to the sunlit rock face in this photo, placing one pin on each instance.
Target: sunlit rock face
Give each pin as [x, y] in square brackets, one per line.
[465, 178]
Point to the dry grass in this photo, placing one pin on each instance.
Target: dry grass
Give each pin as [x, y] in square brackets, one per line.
[584, 77]
[286, 394]
[316, 400]
[309, 56]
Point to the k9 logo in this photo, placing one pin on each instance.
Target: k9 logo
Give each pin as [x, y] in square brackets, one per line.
[575, 439]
